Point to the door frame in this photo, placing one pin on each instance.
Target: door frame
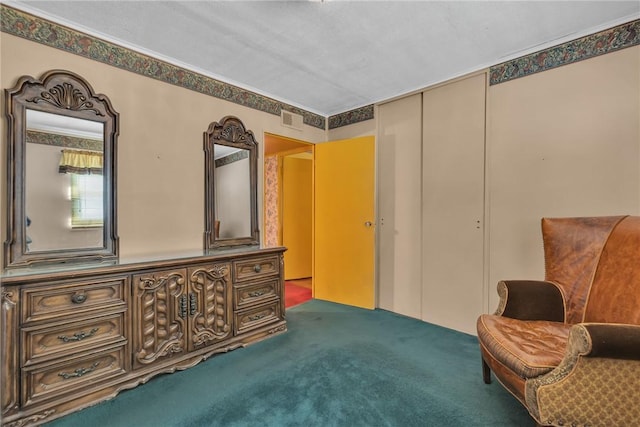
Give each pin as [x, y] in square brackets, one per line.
[289, 146]
[304, 146]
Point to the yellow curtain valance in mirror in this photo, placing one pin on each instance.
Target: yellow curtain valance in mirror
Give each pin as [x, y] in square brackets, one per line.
[81, 162]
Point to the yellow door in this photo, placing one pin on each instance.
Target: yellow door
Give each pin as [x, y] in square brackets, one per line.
[344, 232]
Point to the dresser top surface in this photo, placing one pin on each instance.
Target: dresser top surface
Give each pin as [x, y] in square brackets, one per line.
[129, 263]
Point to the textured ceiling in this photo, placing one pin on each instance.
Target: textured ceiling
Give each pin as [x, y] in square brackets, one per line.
[333, 56]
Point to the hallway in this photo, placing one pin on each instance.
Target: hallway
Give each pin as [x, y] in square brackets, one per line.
[297, 291]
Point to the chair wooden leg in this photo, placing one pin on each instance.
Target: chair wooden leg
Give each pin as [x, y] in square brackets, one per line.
[486, 372]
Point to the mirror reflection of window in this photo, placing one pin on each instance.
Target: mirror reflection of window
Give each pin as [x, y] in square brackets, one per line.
[63, 182]
[86, 201]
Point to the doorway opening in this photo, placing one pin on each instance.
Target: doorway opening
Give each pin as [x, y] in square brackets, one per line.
[288, 211]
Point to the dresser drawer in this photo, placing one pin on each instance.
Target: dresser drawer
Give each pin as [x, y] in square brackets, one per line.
[46, 343]
[256, 268]
[256, 317]
[73, 298]
[72, 374]
[255, 293]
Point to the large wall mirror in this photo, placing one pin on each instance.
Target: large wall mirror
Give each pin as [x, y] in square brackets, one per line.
[231, 170]
[61, 162]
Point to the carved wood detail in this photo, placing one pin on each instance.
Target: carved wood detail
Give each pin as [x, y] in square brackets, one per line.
[9, 356]
[66, 96]
[280, 328]
[32, 419]
[158, 310]
[212, 310]
[232, 130]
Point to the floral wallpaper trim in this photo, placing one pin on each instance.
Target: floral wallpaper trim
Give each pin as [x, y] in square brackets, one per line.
[231, 158]
[271, 203]
[350, 117]
[57, 140]
[616, 38]
[42, 31]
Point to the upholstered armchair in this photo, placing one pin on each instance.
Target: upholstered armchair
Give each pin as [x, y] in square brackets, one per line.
[568, 347]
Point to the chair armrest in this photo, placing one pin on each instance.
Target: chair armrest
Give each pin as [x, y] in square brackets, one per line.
[596, 383]
[530, 300]
[613, 340]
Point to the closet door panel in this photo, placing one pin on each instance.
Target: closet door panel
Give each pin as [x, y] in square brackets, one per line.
[453, 203]
[399, 205]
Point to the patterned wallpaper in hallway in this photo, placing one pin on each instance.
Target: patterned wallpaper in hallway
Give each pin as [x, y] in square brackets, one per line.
[271, 231]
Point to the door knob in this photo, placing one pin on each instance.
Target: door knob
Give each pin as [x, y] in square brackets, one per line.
[368, 224]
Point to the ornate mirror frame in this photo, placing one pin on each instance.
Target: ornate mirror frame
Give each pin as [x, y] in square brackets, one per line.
[230, 132]
[64, 93]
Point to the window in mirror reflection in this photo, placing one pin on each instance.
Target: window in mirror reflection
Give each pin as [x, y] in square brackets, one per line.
[86, 201]
[232, 192]
[63, 183]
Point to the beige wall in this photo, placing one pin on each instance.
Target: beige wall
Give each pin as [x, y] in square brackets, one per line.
[160, 156]
[565, 142]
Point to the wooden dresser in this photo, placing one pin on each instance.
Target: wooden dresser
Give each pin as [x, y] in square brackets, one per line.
[75, 336]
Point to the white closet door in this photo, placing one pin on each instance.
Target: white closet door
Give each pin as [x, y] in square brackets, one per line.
[399, 205]
[453, 203]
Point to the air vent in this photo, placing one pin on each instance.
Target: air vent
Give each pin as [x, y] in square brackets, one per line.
[291, 120]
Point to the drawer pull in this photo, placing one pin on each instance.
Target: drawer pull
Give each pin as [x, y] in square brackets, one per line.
[257, 317]
[182, 306]
[78, 336]
[257, 293]
[257, 268]
[78, 298]
[79, 372]
[193, 304]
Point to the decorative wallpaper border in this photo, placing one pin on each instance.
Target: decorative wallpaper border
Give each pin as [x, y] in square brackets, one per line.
[232, 158]
[30, 27]
[66, 141]
[350, 117]
[616, 38]
[39, 30]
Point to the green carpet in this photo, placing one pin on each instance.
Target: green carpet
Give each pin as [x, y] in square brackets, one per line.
[336, 366]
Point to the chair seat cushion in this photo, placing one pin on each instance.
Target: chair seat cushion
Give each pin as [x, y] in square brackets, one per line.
[528, 347]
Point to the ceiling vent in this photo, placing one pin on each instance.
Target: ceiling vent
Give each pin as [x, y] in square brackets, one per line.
[291, 120]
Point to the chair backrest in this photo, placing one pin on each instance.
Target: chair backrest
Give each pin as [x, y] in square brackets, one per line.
[615, 291]
[572, 249]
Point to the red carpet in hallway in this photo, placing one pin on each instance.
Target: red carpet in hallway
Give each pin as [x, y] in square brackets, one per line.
[294, 294]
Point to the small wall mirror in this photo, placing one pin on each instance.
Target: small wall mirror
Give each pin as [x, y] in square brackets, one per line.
[231, 170]
[61, 152]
